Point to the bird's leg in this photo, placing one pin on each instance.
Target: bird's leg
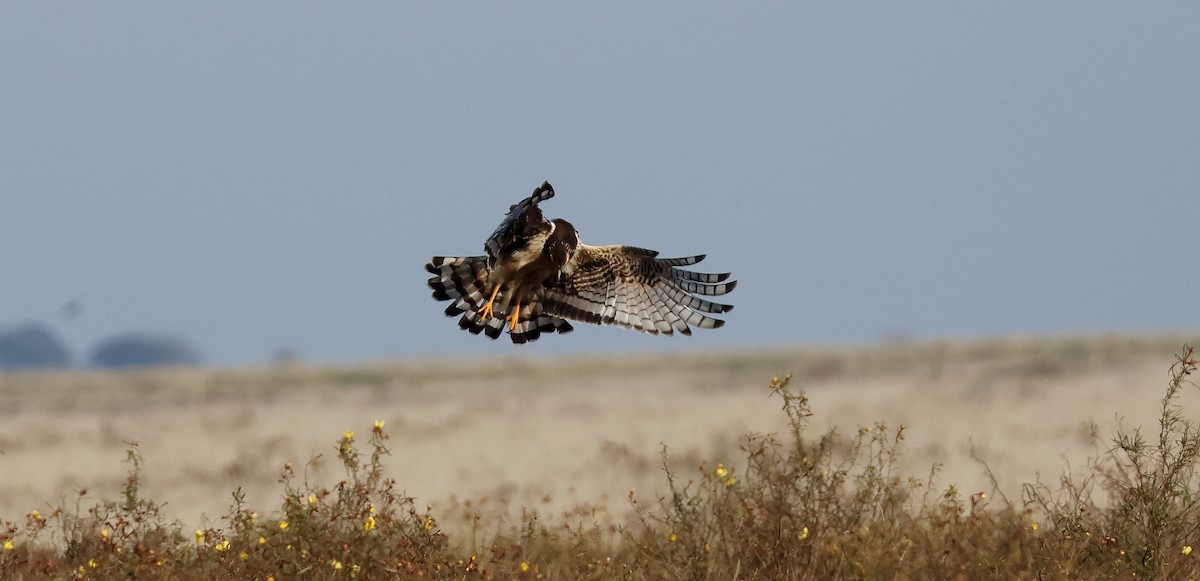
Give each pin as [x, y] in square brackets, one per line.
[515, 315]
[486, 310]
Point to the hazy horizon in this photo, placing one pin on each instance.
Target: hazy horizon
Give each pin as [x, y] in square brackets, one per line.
[267, 176]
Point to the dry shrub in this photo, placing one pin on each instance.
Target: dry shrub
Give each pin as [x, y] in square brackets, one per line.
[794, 506]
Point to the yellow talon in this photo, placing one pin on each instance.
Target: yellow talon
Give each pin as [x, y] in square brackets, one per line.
[486, 310]
[516, 315]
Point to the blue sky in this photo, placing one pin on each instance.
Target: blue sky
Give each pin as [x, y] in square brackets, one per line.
[262, 175]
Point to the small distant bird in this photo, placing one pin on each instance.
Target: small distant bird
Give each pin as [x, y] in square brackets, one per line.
[536, 274]
[71, 310]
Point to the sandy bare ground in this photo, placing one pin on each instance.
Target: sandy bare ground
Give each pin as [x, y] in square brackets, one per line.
[552, 435]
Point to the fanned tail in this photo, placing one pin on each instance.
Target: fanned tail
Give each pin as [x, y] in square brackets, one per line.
[462, 280]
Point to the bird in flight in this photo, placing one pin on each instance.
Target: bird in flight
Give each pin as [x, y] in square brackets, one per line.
[536, 274]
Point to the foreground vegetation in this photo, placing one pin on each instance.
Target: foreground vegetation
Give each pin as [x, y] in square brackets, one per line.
[797, 505]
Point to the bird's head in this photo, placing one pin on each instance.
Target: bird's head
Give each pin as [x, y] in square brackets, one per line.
[561, 243]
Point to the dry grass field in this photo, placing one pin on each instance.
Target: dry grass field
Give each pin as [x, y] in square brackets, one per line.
[480, 443]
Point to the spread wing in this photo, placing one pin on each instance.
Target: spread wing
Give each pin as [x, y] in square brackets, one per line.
[523, 221]
[631, 287]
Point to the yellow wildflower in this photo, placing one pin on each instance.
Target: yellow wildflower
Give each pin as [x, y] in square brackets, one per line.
[92, 563]
[221, 546]
[369, 524]
[37, 516]
[262, 540]
[270, 578]
[524, 567]
[199, 535]
[671, 538]
[803, 534]
[312, 499]
[1034, 526]
[354, 569]
[8, 546]
[429, 523]
[336, 564]
[243, 555]
[730, 481]
[378, 425]
[707, 548]
[721, 472]
[1187, 550]
[283, 525]
[104, 533]
[347, 435]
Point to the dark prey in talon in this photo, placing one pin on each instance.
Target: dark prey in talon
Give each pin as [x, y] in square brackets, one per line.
[536, 274]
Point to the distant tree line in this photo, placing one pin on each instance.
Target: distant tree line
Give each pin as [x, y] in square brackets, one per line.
[36, 346]
[32, 346]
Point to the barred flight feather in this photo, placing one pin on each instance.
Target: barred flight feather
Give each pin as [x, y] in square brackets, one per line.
[538, 268]
[623, 285]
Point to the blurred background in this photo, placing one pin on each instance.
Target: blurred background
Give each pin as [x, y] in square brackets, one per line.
[235, 183]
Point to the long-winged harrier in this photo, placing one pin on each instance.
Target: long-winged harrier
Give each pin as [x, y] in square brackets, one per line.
[536, 273]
